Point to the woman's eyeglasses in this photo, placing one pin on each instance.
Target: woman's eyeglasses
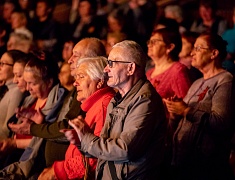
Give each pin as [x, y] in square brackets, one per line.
[153, 41]
[2, 64]
[198, 48]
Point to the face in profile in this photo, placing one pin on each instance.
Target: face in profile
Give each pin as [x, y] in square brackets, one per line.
[186, 48]
[65, 76]
[156, 46]
[117, 74]
[36, 86]
[201, 55]
[6, 68]
[67, 51]
[84, 84]
[18, 70]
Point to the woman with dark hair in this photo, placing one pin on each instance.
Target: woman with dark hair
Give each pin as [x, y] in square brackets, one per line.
[201, 143]
[12, 96]
[169, 77]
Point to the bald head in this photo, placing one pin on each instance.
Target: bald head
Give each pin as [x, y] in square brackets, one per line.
[87, 47]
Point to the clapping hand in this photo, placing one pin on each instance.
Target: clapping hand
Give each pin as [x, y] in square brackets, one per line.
[79, 129]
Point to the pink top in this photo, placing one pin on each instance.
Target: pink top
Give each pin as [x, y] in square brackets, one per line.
[174, 81]
[73, 166]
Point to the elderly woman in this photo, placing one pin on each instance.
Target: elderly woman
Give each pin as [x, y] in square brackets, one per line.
[201, 143]
[12, 96]
[46, 96]
[95, 95]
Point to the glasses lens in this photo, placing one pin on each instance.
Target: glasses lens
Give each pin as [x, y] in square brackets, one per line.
[110, 63]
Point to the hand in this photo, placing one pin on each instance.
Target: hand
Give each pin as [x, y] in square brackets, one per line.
[178, 107]
[34, 115]
[72, 136]
[80, 126]
[22, 128]
[7, 145]
[47, 174]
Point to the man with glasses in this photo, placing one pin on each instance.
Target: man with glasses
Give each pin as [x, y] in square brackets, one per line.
[131, 145]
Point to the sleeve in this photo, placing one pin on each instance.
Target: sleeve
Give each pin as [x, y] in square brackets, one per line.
[49, 130]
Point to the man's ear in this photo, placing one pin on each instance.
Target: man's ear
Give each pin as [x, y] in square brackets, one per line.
[131, 68]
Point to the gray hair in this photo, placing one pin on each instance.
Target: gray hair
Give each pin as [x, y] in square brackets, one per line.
[95, 67]
[133, 52]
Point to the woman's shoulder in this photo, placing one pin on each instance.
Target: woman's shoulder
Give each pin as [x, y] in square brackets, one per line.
[179, 67]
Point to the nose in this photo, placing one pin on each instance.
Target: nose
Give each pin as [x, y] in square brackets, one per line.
[192, 52]
[106, 69]
[75, 84]
[15, 80]
[70, 61]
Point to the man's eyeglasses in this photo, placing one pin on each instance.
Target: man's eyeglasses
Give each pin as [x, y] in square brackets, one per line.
[110, 62]
[198, 48]
[2, 64]
[153, 41]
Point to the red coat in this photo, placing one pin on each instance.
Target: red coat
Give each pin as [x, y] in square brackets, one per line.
[73, 165]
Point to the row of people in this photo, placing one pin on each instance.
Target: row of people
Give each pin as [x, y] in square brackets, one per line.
[197, 128]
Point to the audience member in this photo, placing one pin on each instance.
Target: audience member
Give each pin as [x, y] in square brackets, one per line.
[12, 96]
[11, 148]
[9, 7]
[202, 140]
[135, 124]
[94, 94]
[45, 29]
[169, 77]
[115, 21]
[208, 20]
[19, 41]
[87, 24]
[188, 40]
[67, 50]
[65, 77]
[19, 24]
